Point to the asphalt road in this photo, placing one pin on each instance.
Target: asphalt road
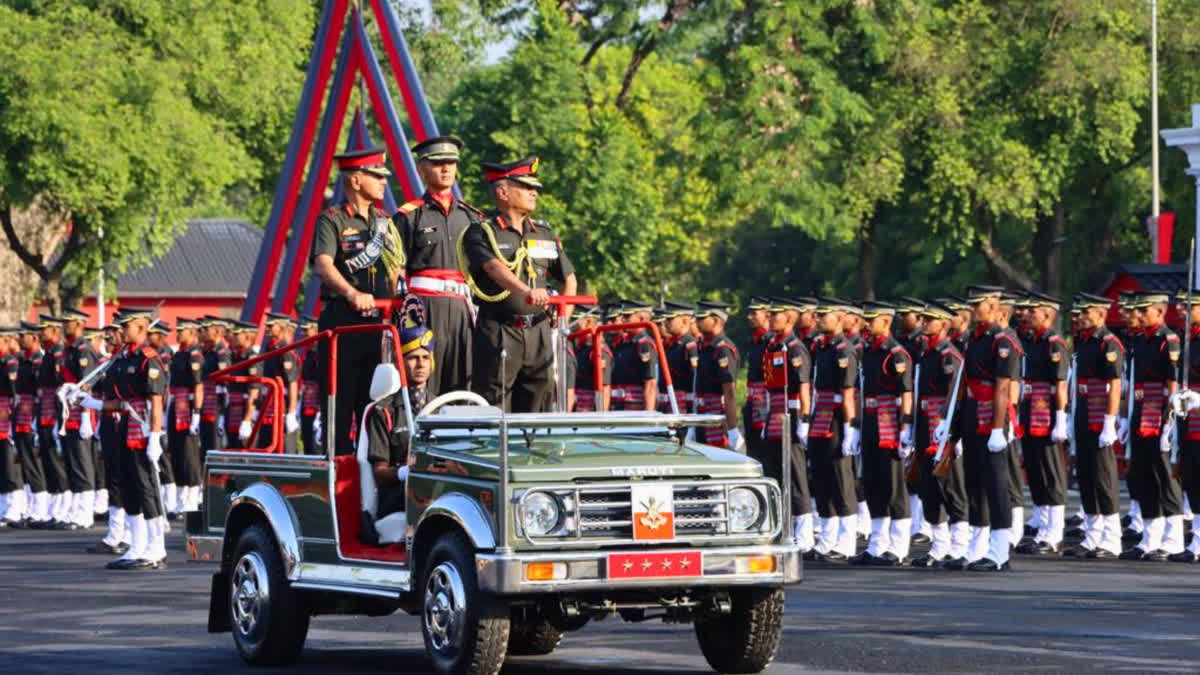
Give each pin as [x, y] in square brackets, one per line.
[60, 612]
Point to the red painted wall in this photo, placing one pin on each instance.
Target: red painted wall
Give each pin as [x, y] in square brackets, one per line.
[172, 309]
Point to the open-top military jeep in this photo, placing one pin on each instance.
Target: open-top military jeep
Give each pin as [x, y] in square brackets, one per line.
[518, 528]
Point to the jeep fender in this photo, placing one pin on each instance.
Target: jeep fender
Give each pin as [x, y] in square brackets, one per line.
[466, 513]
[266, 500]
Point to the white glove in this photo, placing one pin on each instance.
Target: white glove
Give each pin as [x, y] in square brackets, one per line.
[1184, 402]
[734, 437]
[58, 444]
[88, 401]
[402, 473]
[958, 448]
[941, 433]
[849, 440]
[1108, 433]
[69, 391]
[319, 431]
[85, 426]
[154, 449]
[690, 436]
[244, 430]
[291, 423]
[1059, 432]
[34, 431]
[194, 426]
[1164, 438]
[997, 441]
[1122, 430]
[906, 435]
[802, 429]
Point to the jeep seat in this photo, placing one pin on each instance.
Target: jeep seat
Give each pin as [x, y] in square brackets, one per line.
[384, 383]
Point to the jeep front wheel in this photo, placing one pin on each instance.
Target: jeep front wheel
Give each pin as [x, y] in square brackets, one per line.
[745, 639]
[465, 631]
[269, 620]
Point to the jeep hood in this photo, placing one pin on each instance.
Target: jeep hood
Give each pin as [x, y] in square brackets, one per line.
[602, 457]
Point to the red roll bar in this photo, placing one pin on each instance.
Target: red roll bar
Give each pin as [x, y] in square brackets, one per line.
[658, 347]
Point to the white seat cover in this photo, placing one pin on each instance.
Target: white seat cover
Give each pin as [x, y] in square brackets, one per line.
[384, 382]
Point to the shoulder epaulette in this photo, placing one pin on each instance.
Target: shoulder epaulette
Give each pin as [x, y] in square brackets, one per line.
[410, 206]
[149, 352]
[471, 209]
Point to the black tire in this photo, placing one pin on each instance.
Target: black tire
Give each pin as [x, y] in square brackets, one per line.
[268, 628]
[745, 640]
[465, 635]
[533, 638]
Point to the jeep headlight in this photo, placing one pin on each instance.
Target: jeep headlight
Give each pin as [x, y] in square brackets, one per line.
[745, 509]
[540, 514]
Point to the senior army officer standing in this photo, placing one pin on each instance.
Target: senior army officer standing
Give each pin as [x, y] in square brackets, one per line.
[509, 258]
[429, 230]
[356, 257]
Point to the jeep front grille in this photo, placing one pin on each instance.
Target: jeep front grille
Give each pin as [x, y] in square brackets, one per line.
[603, 514]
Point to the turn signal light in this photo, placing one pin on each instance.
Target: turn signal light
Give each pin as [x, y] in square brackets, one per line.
[545, 571]
[758, 564]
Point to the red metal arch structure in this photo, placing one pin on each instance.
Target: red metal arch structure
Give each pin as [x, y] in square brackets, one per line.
[299, 199]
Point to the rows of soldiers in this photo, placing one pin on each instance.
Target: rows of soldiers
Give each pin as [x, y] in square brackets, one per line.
[921, 421]
[112, 423]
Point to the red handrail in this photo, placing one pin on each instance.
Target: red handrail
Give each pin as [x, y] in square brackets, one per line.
[658, 347]
[276, 394]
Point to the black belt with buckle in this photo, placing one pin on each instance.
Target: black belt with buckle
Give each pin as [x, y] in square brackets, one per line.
[521, 321]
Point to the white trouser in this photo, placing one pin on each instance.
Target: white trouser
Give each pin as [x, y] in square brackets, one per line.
[881, 539]
[998, 545]
[939, 538]
[1109, 537]
[1152, 536]
[900, 537]
[960, 539]
[978, 547]
[847, 541]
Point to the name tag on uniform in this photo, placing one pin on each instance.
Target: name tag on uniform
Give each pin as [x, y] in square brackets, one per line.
[777, 360]
[505, 247]
[541, 249]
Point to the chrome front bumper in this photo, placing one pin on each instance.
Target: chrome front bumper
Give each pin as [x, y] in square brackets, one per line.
[588, 571]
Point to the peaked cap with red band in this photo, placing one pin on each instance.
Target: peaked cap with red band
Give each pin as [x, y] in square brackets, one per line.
[370, 160]
[523, 171]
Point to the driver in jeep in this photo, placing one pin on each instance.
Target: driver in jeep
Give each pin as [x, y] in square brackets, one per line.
[387, 435]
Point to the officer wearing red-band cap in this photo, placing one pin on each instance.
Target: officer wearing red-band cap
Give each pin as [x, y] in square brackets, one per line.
[508, 261]
[357, 257]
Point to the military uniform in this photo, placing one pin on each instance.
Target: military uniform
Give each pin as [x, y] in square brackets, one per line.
[237, 406]
[786, 366]
[183, 422]
[1047, 362]
[887, 376]
[116, 541]
[25, 429]
[217, 356]
[718, 366]
[430, 229]
[944, 497]
[754, 410]
[49, 377]
[635, 363]
[364, 251]
[78, 427]
[285, 370]
[683, 361]
[1189, 443]
[1099, 365]
[992, 353]
[586, 390]
[310, 400]
[11, 481]
[138, 376]
[535, 255]
[1156, 357]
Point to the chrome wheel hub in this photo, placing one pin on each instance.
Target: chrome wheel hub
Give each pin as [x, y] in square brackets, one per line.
[445, 607]
[250, 594]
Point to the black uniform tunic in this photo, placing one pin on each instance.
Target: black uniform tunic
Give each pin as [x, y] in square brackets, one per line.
[10, 461]
[785, 356]
[585, 376]
[1047, 362]
[1156, 357]
[635, 362]
[506, 323]
[836, 367]
[186, 367]
[138, 375]
[683, 360]
[25, 421]
[388, 441]
[285, 369]
[430, 234]
[991, 353]
[216, 357]
[887, 374]
[49, 377]
[942, 497]
[79, 359]
[1099, 359]
[356, 245]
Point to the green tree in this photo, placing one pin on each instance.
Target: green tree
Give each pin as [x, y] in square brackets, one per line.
[126, 117]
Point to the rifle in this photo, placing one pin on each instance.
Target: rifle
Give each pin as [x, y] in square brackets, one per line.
[912, 474]
[1073, 393]
[1129, 412]
[941, 460]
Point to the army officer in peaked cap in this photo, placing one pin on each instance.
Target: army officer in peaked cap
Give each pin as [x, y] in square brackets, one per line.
[509, 260]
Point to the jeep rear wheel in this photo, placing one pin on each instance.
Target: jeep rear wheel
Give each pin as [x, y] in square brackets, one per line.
[269, 620]
[465, 631]
[536, 637]
[745, 640]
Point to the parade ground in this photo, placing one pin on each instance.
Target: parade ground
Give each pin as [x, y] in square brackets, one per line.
[60, 612]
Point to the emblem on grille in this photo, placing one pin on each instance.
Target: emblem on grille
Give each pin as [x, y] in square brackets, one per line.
[654, 517]
[653, 512]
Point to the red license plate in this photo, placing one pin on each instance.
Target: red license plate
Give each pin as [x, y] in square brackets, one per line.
[654, 565]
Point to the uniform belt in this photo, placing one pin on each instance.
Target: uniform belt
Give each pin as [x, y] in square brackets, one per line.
[876, 401]
[437, 284]
[518, 320]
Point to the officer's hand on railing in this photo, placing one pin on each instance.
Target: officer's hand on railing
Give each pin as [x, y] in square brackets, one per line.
[997, 441]
[1059, 433]
[361, 302]
[1108, 431]
[538, 297]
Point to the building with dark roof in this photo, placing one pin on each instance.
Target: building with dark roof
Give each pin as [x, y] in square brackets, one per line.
[206, 271]
[1141, 278]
